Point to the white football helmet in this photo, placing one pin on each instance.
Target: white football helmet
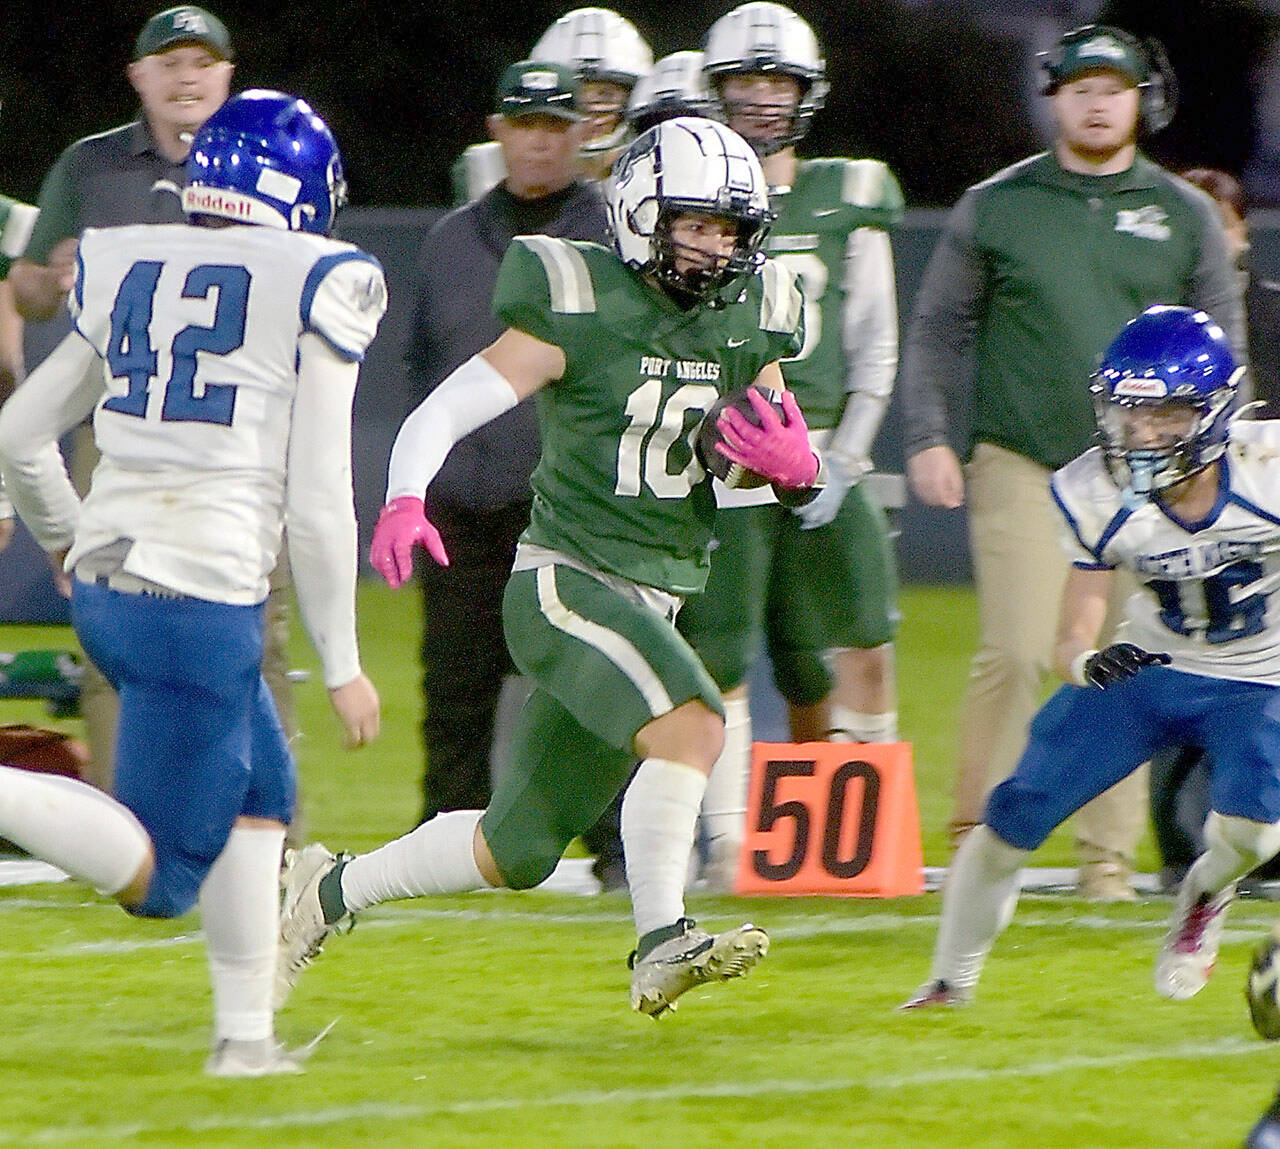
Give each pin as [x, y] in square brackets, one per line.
[675, 87]
[688, 164]
[598, 44]
[763, 38]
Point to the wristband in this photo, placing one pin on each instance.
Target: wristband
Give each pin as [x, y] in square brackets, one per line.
[1077, 675]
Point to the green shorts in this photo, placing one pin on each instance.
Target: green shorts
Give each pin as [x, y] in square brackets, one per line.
[604, 665]
[800, 592]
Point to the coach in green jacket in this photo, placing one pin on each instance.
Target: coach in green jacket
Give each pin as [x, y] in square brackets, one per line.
[1037, 269]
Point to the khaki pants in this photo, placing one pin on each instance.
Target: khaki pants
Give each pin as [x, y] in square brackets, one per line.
[1020, 569]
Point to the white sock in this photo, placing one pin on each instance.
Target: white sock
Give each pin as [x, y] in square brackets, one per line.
[1234, 846]
[851, 726]
[977, 903]
[724, 802]
[73, 826]
[659, 816]
[240, 910]
[437, 857]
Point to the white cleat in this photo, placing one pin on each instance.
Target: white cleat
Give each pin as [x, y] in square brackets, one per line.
[692, 958]
[1191, 946]
[263, 1058]
[303, 929]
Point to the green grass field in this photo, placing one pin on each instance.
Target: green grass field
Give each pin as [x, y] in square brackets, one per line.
[500, 1019]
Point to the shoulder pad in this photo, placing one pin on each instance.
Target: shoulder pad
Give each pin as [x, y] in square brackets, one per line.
[343, 300]
[568, 273]
[781, 304]
[16, 221]
[870, 184]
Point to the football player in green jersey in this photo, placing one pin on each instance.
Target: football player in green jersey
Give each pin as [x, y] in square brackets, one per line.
[16, 221]
[818, 578]
[625, 350]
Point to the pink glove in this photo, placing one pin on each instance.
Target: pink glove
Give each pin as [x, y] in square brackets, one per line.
[779, 451]
[403, 523]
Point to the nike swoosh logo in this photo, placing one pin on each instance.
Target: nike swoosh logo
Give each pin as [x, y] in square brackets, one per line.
[821, 211]
[167, 186]
[736, 342]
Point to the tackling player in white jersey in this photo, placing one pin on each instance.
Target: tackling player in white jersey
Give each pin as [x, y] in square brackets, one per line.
[1187, 498]
[220, 364]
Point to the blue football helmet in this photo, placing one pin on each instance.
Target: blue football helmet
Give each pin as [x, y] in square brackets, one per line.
[1177, 364]
[266, 158]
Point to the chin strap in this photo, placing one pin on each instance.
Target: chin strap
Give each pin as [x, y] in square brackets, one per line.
[1141, 472]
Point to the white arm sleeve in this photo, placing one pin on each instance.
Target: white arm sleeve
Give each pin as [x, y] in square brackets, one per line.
[320, 517]
[469, 397]
[871, 345]
[55, 397]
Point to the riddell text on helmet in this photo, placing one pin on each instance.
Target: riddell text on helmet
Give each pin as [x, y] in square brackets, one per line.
[224, 203]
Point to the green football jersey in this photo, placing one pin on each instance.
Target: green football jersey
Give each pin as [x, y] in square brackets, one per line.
[478, 168]
[830, 199]
[618, 485]
[16, 221]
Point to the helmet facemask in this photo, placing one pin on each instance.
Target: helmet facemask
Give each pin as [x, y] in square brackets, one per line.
[711, 274]
[1183, 434]
[776, 126]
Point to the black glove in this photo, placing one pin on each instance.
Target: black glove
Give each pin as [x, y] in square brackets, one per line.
[1118, 663]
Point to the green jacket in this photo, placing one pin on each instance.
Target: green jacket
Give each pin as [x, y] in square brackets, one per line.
[1036, 271]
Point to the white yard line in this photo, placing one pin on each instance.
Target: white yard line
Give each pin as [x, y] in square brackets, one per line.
[599, 1099]
[1246, 926]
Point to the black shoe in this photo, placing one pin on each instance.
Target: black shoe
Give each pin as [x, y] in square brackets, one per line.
[611, 874]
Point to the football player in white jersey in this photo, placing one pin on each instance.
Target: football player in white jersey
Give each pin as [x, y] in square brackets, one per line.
[1188, 498]
[219, 362]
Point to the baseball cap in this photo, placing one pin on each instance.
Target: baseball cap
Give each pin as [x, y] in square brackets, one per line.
[538, 88]
[1099, 50]
[185, 24]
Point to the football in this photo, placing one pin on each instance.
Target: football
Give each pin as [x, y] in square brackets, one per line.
[733, 475]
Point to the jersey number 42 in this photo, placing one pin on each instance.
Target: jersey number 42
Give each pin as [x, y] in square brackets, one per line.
[131, 355]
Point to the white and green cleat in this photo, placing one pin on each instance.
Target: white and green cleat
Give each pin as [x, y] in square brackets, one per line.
[303, 928]
[691, 958]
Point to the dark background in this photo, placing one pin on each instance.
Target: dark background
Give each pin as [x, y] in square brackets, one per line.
[941, 91]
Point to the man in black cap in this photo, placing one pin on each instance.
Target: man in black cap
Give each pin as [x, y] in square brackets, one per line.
[481, 498]
[181, 69]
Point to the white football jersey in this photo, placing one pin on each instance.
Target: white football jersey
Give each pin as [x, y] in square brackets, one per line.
[1211, 590]
[199, 332]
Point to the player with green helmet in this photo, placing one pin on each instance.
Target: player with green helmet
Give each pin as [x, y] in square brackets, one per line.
[16, 221]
